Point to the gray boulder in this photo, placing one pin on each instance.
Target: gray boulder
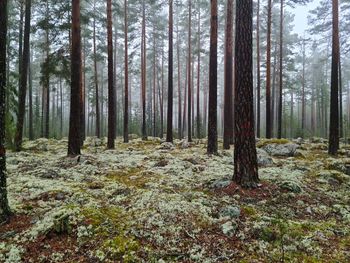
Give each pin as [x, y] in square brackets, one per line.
[282, 150]
[263, 158]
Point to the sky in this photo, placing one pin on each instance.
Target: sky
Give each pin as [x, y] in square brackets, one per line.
[301, 13]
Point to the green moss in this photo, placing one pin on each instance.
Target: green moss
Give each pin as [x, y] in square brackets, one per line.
[110, 227]
[249, 211]
[265, 142]
[133, 177]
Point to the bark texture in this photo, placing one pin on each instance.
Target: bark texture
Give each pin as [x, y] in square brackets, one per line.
[245, 157]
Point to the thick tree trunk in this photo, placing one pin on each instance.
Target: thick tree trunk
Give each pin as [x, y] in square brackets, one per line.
[228, 107]
[74, 141]
[334, 110]
[126, 81]
[169, 134]
[111, 93]
[4, 207]
[213, 64]
[245, 157]
[23, 78]
[268, 71]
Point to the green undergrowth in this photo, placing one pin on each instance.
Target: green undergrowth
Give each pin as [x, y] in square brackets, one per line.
[110, 234]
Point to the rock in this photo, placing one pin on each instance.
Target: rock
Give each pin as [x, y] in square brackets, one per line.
[49, 174]
[231, 211]
[220, 184]
[185, 144]
[291, 186]
[263, 158]
[122, 191]
[96, 185]
[282, 150]
[161, 163]
[192, 160]
[299, 140]
[229, 228]
[166, 146]
[95, 142]
[333, 177]
[60, 196]
[318, 140]
[133, 136]
[39, 145]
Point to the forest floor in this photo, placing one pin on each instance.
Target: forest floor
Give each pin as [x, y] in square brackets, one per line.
[157, 202]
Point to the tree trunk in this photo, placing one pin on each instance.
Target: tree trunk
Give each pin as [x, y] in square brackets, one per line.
[245, 157]
[23, 78]
[4, 207]
[169, 134]
[258, 88]
[97, 101]
[279, 114]
[199, 74]
[303, 106]
[268, 71]
[228, 109]
[340, 100]
[334, 110]
[126, 81]
[31, 131]
[111, 93]
[213, 64]
[179, 82]
[143, 72]
[189, 79]
[74, 141]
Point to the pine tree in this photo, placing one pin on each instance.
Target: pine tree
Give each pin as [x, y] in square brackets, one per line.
[111, 94]
[74, 141]
[334, 116]
[213, 64]
[228, 107]
[4, 207]
[245, 157]
[169, 135]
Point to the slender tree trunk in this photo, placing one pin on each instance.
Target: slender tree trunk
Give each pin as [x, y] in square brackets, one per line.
[199, 74]
[303, 106]
[245, 157]
[228, 107]
[126, 82]
[189, 79]
[47, 76]
[161, 98]
[74, 141]
[169, 135]
[268, 71]
[4, 207]
[185, 103]
[143, 72]
[97, 101]
[111, 93]
[61, 109]
[258, 88]
[31, 131]
[179, 82]
[340, 100]
[279, 130]
[334, 110]
[213, 64]
[20, 40]
[23, 78]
